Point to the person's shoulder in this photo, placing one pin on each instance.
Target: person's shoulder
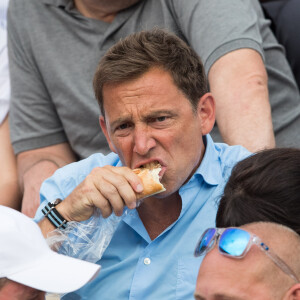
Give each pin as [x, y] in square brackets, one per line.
[68, 177]
[231, 154]
[80, 169]
[101, 160]
[93, 161]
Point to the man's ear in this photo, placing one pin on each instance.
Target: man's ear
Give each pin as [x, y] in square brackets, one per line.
[293, 293]
[206, 111]
[105, 131]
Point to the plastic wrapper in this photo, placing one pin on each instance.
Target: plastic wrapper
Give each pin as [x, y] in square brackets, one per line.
[85, 240]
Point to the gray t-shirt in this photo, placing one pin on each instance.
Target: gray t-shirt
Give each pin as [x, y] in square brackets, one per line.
[54, 52]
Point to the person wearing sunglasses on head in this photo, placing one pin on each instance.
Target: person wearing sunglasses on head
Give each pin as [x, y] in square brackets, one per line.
[256, 261]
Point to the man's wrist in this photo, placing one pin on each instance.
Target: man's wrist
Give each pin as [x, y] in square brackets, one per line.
[54, 216]
[46, 226]
[61, 208]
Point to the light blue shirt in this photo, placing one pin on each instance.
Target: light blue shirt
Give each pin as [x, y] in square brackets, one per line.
[133, 265]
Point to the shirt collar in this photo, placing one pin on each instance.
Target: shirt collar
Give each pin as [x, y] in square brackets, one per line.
[210, 168]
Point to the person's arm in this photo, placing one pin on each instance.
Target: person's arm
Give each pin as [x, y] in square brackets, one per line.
[34, 121]
[239, 83]
[9, 188]
[107, 188]
[34, 166]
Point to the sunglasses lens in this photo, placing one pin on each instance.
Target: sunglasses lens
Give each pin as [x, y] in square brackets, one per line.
[205, 241]
[234, 241]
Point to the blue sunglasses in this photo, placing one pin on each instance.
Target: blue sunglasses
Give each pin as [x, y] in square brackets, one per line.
[235, 243]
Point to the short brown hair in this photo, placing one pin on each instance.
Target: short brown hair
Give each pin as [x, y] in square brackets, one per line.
[139, 52]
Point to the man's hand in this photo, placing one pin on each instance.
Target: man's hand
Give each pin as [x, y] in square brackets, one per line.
[107, 188]
[35, 166]
[239, 83]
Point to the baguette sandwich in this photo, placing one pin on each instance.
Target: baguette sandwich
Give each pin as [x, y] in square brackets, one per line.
[149, 175]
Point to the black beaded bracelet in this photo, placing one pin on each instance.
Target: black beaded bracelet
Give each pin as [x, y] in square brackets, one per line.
[51, 213]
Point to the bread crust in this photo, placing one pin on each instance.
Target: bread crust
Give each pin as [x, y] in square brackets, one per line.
[150, 184]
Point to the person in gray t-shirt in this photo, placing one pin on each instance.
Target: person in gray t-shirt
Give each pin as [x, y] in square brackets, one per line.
[55, 46]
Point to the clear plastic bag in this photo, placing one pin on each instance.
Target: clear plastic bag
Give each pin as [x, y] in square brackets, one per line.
[85, 240]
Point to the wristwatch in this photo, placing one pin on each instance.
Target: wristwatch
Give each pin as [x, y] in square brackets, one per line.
[51, 213]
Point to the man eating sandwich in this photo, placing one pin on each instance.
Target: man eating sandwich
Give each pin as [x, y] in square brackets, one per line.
[155, 109]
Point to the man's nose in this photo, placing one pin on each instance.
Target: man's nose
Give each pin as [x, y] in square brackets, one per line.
[143, 140]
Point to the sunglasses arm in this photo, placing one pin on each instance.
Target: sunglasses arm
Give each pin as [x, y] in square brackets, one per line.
[276, 259]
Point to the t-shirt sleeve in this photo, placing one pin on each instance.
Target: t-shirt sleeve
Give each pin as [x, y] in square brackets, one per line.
[214, 28]
[34, 122]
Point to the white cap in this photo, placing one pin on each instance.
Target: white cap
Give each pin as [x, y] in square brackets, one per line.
[26, 258]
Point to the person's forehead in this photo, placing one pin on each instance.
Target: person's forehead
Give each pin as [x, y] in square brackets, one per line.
[226, 271]
[155, 87]
[152, 79]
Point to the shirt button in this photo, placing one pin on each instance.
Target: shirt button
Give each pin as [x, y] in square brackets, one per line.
[147, 261]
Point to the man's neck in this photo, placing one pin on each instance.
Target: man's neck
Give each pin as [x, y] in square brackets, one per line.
[102, 10]
[158, 214]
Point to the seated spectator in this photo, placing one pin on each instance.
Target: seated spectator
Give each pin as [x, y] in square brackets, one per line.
[29, 268]
[9, 187]
[54, 113]
[152, 92]
[257, 261]
[285, 18]
[263, 187]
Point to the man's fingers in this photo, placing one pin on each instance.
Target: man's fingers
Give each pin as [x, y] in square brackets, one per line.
[131, 177]
[113, 198]
[122, 181]
[108, 188]
[104, 205]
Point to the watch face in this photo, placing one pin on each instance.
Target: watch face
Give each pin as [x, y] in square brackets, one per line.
[57, 201]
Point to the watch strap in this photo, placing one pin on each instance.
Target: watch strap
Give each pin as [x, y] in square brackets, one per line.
[51, 213]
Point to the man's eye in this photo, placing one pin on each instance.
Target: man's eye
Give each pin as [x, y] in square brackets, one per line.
[122, 127]
[161, 119]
